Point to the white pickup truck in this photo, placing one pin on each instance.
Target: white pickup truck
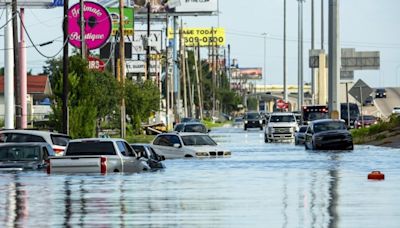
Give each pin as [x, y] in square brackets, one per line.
[281, 126]
[97, 155]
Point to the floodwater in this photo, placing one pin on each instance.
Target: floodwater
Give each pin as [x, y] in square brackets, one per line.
[260, 185]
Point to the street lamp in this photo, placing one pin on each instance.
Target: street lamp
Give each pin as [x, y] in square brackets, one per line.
[300, 95]
[265, 35]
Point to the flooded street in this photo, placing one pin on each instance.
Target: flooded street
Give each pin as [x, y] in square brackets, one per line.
[261, 185]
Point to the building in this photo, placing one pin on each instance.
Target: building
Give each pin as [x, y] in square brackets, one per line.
[38, 101]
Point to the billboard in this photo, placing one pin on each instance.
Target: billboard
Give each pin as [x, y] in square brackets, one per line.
[194, 6]
[203, 37]
[155, 42]
[30, 3]
[139, 66]
[97, 25]
[172, 7]
[128, 21]
[250, 73]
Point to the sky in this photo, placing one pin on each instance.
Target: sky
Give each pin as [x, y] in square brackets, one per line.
[366, 25]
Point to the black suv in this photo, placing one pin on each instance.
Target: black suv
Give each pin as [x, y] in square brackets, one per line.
[191, 127]
[253, 120]
[380, 93]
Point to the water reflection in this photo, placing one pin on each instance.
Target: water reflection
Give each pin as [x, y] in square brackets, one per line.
[16, 203]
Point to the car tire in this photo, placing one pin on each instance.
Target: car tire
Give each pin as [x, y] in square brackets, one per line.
[351, 147]
[188, 156]
[245, 128]
[306, 146]
[313, 146]
[266, 139]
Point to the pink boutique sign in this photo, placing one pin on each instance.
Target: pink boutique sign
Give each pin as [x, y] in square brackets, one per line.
[97, 25]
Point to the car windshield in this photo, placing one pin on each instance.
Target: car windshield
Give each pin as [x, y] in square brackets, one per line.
[237, 120]
[329, 126]
[277, 119]
[195, 128]
[24, 153]
[60, 140]
[303, 129]
[198, 140]
[90, 148]
[368, 117]
[252, 116]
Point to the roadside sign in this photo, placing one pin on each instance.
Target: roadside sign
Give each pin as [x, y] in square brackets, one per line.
[360, 91]
[97, 29]
[96, 64]
[281, 104]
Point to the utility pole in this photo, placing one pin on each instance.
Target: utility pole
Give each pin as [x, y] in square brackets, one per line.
[183, 73]
[285, 93]
[166, 80]
[196, 64]
[122, 65]
[300, 96]
[177, 108]
[213, 72]
[148, 42]
[9, 109]
[334, 59]
[65, 113]
[17, 80]
[82, 24]
[322, 25]
[313, 86]
[201, 100]
[190, 107]
[22, 72]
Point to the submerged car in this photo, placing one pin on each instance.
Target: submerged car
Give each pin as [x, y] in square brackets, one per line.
[187, 145]
[253, 120]
[396, 110]
[57, 141]
[238, 122]
[281, 126]
[153, 159]
[191, 127]
[24, 156]
[380, 93]
[328, 134]
[365, 121]
[299, 136]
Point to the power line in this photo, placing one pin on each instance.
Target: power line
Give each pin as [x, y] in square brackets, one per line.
[30, 39]
[353, 43]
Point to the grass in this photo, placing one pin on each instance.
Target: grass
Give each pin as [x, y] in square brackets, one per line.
[139, 138]
[211, 124]
[376, 132]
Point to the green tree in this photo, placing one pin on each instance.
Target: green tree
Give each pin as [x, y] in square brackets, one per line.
[92, 96]
[142, 99]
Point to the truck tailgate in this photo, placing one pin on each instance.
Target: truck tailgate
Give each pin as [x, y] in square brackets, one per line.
[75, 164]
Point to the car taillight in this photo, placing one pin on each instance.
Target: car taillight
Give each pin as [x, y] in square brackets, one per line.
[48, 166]
[58, 151]
[103, 165]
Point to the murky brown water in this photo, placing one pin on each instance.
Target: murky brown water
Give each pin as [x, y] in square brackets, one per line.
[261, 185]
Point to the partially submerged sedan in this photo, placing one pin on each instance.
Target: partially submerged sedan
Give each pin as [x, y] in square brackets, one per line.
[24, 156]
[328, 134]
[187, 145]
[153, 159]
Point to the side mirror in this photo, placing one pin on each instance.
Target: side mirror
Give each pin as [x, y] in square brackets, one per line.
[162, 157]
[177, 145]
[208, 130]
